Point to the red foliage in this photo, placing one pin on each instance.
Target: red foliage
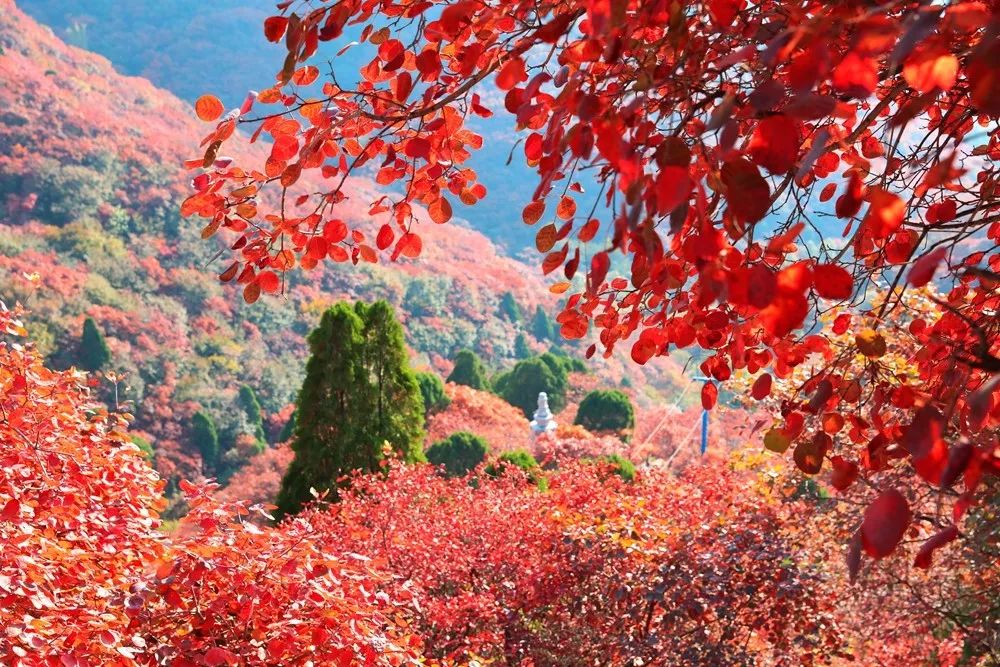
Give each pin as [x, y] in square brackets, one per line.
[689, 162]
[495, 420]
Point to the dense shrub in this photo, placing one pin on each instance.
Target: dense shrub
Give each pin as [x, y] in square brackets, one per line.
[469, 371]
[606, 410]
[458, 453]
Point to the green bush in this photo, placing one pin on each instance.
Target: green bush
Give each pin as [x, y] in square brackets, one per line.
[606, 410]
[521, 459]
[619, 466]
[469, 371]
[459, 453]
[432, 390]
[520, 387]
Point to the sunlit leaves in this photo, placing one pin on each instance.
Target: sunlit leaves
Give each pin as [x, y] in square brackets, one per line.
[870, 343]
[833, 281]
[774, 145]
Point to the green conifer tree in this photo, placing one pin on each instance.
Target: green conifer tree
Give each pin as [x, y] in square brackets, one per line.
[509, 308]
[251, 406]
[521, 349]
[541, 325]
[469, 371]
[94, 353]
[522, 384]
[359, 393]
[206, 439]
[432, 390]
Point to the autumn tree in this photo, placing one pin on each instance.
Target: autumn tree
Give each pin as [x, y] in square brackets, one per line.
[458, 453]
[606, 410]
[752, 165]
[358, 394]
[206, 438]
[469, 370]
[93, 352]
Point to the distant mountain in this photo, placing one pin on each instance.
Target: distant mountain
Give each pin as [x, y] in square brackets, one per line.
[191, 47]
[90, 182]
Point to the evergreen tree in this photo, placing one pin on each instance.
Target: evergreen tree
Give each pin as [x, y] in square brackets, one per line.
[94, 352]
[520, 387]
[459, 453]
[602, 410]
[432, 390]
[469, 371]
[541, 325]
[509, 308]
[521, 349]
[251, 406]
[206, 439]
[358, 394]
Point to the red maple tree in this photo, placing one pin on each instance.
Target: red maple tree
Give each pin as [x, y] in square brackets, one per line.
[720, 171]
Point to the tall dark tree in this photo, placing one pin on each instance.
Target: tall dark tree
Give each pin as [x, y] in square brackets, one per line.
[469, 371]
[509, 308]
[521, 348]
[94, 353]
[251, 406]
[541, 325]
[358, 394]
[206, 439]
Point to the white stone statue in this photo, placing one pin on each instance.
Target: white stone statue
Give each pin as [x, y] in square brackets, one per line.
[543, 421]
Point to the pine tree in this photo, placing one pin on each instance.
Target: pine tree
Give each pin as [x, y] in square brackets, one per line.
[521, 348]
[509, 308]
[469, 371]
[206, 439]
[541, 325]
[432, 390]
[359, 393]
[522, 384]
[94, 352]
[251, 406]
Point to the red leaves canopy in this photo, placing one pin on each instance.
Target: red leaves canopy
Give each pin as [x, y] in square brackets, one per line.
[714, 135]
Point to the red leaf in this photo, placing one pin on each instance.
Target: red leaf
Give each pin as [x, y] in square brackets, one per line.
[844, 473]
[440, 210]
[385, 237]
[274, 28]
[511, 74]
[673, 187]
[833, 282]
[11, 511]
[747, 193]
[933, 543]
[533, 212]
[923, 269]
[761, 387]
[885, 523]
[775, 144]
[709, 395]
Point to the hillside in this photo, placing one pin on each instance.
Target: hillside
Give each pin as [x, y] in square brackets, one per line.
[91, 178]
[190, 48]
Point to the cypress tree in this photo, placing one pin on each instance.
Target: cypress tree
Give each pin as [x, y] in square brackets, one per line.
[288, 430]
[469, 371]
[251, 406]
[520, 387]
[509, 308]
[541, 325]
[206, 439]
[521, 349]
[359, 393]
[94, 352]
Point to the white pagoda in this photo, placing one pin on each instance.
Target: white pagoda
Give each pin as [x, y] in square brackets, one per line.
[543, 421]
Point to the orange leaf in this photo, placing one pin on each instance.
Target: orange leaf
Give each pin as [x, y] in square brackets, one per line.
[930, 68]
[559, 288]
[208, 108]
[440, 210]
[566, 208]
[545, 239]
[533, 212]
